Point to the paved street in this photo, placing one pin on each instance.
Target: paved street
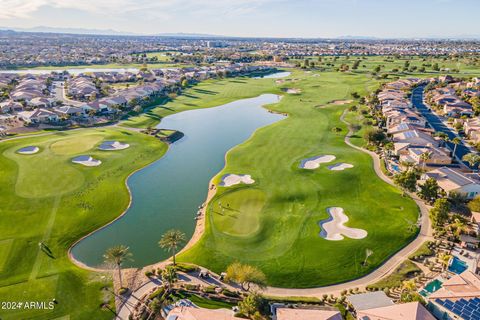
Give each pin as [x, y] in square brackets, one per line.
[438, 124]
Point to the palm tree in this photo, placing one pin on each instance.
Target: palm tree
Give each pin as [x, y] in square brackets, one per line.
[425, 157]
[117, 256]
[456, 141]
[169, 276]
[368, 253]
[471, 158]
[171, 240]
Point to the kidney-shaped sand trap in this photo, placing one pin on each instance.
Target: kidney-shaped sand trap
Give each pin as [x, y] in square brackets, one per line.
[113, 145]
[314, 162]
[233, 179]
[87, 161]
[333, 228]
[340, 166]
[28, 150]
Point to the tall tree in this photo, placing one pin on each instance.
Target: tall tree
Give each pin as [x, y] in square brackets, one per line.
[439, 212]
[425, 157]
[456, 141]
[117, 256]
[245, 275]
[429, 190]
[407, 180]
[171, 240]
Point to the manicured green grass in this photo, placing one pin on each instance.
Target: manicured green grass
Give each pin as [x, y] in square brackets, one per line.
[238, 213]
[45, 197]
[286, 245]
[204, 302]
[403, 272]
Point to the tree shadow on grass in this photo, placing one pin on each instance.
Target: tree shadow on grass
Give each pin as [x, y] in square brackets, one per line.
[203, 91]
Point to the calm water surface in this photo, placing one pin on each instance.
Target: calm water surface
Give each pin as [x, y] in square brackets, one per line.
[167, 193]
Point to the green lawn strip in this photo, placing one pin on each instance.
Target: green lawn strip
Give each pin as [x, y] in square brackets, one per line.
[89, 197]
[404, 271]
[286, 245]
[424, 251]
[204, 302]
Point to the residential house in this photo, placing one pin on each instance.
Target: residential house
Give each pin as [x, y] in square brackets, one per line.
[472, 129]
[413, 138]
[458, 298]
[38, 116]
[10, 106]
[191, 313]
[403, 311]
[306, 314]
[437, 156]
[453, 180]
[69, 111]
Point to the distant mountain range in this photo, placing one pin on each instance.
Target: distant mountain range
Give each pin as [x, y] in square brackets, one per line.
[111, 32]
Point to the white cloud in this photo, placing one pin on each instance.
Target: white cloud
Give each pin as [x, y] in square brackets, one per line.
[10, 9]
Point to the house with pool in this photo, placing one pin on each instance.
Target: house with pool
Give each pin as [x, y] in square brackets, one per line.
[458, 298]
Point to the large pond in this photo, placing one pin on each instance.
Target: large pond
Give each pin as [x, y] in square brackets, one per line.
[167, 193]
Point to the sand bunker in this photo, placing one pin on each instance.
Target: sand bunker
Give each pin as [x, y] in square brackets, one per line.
[314, 162]
[292, 90]
[340, 166]
[340, 102]
[113, 145]
[333, 228]
[233, 179]
[28, 150]
[87, 161]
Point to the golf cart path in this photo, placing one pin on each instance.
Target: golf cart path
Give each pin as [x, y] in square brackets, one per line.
[390, 265]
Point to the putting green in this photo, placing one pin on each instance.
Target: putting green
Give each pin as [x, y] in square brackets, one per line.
[75, 145]
[237, 213]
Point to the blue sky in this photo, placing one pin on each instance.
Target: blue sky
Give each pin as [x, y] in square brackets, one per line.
[272, 18]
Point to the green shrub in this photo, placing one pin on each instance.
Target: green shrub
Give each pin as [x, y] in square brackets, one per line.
[209, 289]
[186, 268]
[157, 293]
[229, 293]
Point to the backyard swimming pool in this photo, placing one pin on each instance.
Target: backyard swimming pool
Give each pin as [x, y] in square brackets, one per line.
[457, 265]
[431, 287]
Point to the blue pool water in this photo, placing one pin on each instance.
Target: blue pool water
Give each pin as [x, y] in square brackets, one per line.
[431, 287]
[457, 265]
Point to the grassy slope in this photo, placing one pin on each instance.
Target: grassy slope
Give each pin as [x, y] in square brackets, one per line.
[286, 245]
[46, 188]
